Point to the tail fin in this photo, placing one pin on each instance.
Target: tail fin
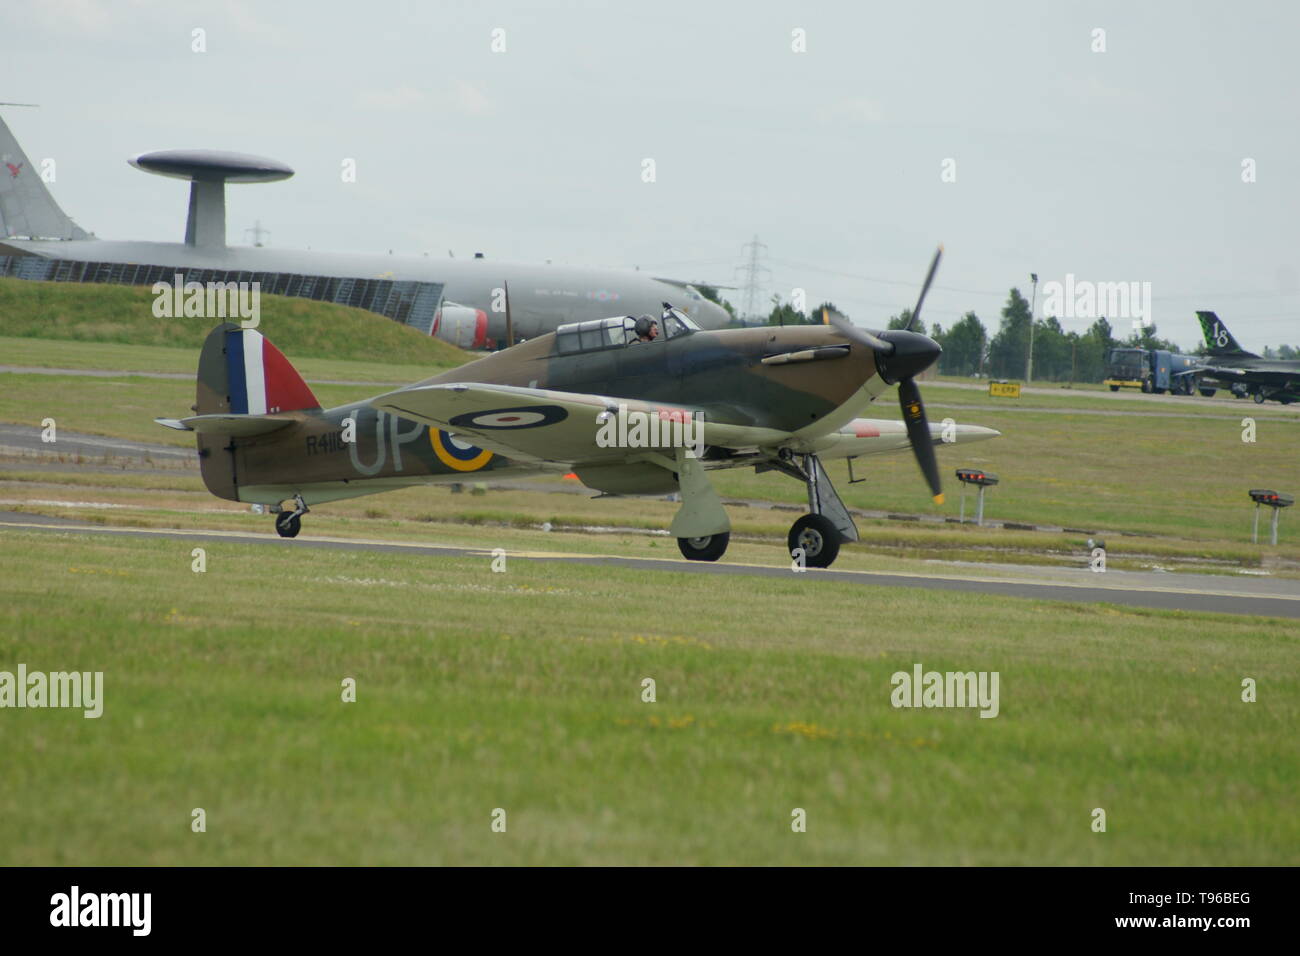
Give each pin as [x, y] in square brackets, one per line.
[1219, 339]
[26, 207]
[246, 388]
[241, 373]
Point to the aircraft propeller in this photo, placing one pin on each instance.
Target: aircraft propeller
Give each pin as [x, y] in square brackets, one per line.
[901, 354]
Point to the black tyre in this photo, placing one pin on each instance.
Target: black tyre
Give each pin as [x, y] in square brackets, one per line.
[288, 524]
[1208, 392]
[1114, 388]
[818, 537]
[709, 548]
[1259, 398]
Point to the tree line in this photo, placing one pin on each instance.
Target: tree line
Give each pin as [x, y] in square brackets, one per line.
[1059, 355]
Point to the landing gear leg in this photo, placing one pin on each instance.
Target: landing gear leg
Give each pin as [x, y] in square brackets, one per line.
[828, 524]
[701, 525]
[289, 523]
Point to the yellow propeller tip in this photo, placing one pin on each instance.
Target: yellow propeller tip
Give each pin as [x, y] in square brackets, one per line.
[938, 499]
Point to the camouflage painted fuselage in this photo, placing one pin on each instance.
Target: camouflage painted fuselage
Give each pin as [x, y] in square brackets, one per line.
[719, 372]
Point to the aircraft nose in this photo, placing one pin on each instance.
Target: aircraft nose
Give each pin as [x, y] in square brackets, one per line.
[713, 316]
[913, 354]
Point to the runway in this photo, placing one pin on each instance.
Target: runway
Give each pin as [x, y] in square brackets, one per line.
[1265, 597]
[24, 440]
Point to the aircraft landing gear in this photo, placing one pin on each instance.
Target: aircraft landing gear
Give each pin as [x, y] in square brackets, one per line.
[819, 539]
[708, 548]
[1259, 398]
[289, 523]
[828, 523]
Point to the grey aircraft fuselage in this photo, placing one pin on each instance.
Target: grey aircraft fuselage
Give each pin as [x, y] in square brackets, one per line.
[541, 296]
[471, 310]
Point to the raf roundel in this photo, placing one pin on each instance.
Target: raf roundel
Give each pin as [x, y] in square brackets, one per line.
[456, 454]
[531, 416]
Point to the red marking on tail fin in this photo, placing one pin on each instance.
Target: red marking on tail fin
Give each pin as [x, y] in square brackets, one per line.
[285, 389]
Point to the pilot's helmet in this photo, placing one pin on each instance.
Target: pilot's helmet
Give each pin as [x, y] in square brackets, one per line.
[643, 325]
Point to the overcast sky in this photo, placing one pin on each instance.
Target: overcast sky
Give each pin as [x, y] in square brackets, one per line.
[1114, 166]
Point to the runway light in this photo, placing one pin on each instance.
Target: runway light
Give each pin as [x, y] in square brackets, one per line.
[974, 476]
[1276, 500]
[981, 479]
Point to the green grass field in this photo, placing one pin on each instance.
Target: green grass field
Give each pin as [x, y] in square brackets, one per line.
[123, 315]
[522, 691]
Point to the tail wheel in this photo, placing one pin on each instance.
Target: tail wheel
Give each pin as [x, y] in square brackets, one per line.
[819, 539]
[708, 548]
[288, 524]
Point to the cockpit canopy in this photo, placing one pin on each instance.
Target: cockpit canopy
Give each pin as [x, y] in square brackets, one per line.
[617, 332]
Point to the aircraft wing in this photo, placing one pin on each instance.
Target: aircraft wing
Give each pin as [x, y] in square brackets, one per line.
[1219, 370]
[543, 425]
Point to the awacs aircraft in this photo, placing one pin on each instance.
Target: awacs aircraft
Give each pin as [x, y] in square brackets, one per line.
[458, 300]
[775, 399]
[1228, 364]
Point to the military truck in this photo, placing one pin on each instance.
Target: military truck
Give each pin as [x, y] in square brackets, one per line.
[1153, 371]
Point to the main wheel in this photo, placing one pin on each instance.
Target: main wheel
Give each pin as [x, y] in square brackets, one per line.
[708, 548]
[1208, 392]
[1259, 398]
[818, 537]
[288, 524]
[1114, 388]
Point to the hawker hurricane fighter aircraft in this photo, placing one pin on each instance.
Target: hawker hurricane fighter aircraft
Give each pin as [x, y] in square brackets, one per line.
[629, 410]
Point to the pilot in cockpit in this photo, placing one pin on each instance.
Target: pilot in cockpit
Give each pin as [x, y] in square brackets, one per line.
[646, 328]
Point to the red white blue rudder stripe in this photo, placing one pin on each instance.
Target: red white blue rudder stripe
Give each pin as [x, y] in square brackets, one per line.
[260, 378]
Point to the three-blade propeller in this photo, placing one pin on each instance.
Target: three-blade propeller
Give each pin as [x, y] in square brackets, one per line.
[909, 400]
[901, 355]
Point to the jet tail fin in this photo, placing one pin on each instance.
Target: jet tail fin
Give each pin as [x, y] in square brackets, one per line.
[26, 207]
[1218, 338]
